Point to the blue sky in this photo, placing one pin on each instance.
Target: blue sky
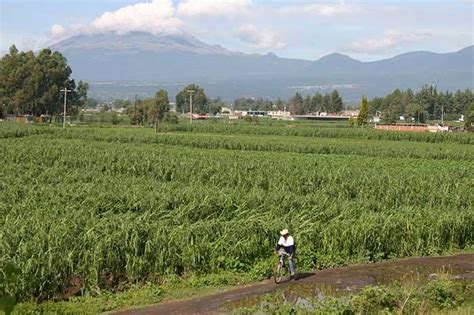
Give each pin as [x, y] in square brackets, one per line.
[366, 30]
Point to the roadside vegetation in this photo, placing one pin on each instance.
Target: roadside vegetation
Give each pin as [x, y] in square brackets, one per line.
[441, 296]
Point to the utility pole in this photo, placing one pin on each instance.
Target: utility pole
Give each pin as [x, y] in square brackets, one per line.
[191, 105]
[65, 90]
[442, 115]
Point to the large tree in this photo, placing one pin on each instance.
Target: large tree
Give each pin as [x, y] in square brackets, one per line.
[296, 104]
[215, 106]
[469, 116]
[200, 100]
[363, 116]
[31, 84]
[415, 112]
[158, 107]
[317, 102]
[391, 113]
[326, 103]
[375, 106]
[336, 102]
[138, 113]
[307, 105]
[280, 104]
[149, 111]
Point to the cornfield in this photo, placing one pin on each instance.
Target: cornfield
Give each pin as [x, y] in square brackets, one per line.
[130, 204]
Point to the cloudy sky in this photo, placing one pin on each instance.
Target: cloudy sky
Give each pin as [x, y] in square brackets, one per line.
[366, 30]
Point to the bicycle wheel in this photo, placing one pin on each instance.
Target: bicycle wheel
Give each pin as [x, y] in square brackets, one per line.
[278, 272]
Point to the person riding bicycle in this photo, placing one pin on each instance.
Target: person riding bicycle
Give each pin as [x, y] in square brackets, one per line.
[286, 245]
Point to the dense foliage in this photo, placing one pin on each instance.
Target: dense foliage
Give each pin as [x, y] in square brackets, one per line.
[297, 105]
[199, 99]
[363, 116]
[109, 205]
[428, 103]
[31, 84]
[150, 111]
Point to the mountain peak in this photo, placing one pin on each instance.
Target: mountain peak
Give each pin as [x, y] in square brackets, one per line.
[271, 55]
[140, 41]
[336, 58]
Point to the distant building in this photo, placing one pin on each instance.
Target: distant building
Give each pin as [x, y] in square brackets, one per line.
[173, 107]
[226, 111]
[258, 113]
[235, 115]
[350, 113]
[90, 110]
[321, 117]
[279, 114]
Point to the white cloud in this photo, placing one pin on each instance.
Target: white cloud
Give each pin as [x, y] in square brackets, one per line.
[58, 30]
[260, 38]
[157, 17]
[326, 9]
[213, 7]
[318, 9]
[389, 40]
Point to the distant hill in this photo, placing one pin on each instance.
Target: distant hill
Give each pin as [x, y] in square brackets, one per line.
[138, 62]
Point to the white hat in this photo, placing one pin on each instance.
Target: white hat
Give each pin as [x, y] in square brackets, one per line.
[284, 232]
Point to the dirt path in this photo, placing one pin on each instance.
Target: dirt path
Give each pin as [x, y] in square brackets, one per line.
[345, 278]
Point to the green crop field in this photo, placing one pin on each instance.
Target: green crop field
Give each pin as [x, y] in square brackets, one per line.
[128, 204]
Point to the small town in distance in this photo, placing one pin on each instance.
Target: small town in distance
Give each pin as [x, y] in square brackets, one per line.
[405, 115]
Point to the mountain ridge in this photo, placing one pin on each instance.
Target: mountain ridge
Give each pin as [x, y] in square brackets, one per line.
[140, 56]
[63, 44]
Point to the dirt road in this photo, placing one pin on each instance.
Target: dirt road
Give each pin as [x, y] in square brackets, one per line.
[345, 278]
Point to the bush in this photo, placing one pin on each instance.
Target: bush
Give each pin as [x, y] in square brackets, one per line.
[170, 118]
[114, 118]
[372, 300]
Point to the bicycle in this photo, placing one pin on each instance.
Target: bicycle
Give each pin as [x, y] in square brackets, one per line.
[279, 271]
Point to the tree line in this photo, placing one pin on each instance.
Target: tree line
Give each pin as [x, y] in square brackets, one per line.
[297, 105]
[30, 84]
[144, 111]
[426, 104]
[419, 107]
[154, 110]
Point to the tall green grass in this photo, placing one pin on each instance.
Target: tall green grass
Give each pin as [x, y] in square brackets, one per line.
[99, 203]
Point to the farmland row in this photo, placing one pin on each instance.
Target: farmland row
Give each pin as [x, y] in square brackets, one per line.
[308, 130]
[375, 148]
[240, 129]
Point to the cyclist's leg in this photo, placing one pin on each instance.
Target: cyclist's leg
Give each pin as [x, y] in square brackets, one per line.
[282, 259]
[291, 266]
